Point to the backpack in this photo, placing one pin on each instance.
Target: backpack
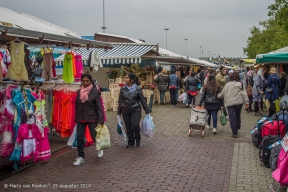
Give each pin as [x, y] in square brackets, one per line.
[274, 156]
[265, 151]
[249, 89]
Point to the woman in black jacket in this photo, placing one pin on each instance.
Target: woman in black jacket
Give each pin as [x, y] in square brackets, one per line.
[211, 103]
[89, 111]
[130, 97]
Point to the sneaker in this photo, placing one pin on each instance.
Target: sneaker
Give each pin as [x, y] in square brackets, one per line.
[79, 161]
[207, 126]
[214, 131]
[100, 153]
[235, 136]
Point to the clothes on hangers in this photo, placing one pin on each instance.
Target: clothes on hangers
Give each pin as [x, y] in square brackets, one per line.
[94, 61]
[68, 68]
[17, 70]
[48, 65]
[28, 62]
[79, 67]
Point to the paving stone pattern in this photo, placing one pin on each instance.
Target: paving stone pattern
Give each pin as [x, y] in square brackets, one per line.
[170, 161]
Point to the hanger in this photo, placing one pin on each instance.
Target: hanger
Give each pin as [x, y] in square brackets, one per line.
[17, 40]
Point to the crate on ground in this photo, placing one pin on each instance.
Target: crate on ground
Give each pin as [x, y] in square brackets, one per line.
[111, 86]
[149, 78]
[143, 82]
[148, 100]
[157, 97]
[116, 86]
[111, 81]
[156, 90]
[115, 102]
[167, 97]
[105, 95]
[119, 80]
[115, 107]
[109, 104]
[115, 92]
[145, 92]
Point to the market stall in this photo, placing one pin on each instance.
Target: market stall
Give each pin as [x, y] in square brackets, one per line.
[27, 88]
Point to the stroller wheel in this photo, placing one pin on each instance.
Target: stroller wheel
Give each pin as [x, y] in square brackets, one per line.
[190, 132]
[202, 133]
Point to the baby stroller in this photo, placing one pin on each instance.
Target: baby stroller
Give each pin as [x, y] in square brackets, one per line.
[198, 120]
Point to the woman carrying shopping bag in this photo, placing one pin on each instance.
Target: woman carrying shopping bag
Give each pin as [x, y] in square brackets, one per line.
[211, 103]
[235, 95]
[130, 97]
[89, 111]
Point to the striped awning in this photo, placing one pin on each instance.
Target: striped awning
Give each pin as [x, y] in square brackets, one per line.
[119, 54]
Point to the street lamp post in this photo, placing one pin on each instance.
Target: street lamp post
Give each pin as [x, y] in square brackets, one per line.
[209, 55]
[166, 35]
[185, 47]
[200, 50]
[104, 17]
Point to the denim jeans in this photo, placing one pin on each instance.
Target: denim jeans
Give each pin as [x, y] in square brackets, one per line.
[177, 94]
[173, 96]
[162, 95]
[212, 113]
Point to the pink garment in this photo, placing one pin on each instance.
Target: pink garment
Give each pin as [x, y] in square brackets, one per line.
[28, 135]
[280, 174]
[43, 146]
[9, 91]
[6, 133]
[84, 93]
[79, 67]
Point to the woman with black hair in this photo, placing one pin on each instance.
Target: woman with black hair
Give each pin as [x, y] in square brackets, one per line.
[89, 111]
[191, 88]
[130, 97]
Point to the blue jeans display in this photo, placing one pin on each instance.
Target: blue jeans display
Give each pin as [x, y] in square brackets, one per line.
[162, 95]
[212, 113]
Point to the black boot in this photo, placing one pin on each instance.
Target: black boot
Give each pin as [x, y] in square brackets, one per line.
[129, 145]
[137, 143]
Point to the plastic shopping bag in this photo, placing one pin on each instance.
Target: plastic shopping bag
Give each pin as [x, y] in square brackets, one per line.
[121, 131]
[72, 137]
[147, 126]
[182, 96]
[223, 119]
[102, 138]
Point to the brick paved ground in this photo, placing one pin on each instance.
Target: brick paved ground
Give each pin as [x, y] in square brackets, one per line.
[170, 161]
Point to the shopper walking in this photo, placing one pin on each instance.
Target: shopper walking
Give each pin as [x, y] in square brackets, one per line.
[191, 88]
[89, 111]
[211, 103]
[235, 95]
[173, 82]
[272, 94]
[283, 84]
[258, 92]
[221, 79]
[130, 97]
[162, 83]
[249, 87]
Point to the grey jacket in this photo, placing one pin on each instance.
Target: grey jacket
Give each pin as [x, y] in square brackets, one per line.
[91, 110]
[258, 87]
[234, 93]
[162, 81]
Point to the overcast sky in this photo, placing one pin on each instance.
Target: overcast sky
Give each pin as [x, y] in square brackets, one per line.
[219, 26]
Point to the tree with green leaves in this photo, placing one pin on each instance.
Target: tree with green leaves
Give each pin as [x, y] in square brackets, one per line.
[271, 33]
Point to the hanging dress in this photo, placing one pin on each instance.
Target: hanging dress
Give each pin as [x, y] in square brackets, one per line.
[79, 67]
[68, 74]
[47, 71]
[17, 70]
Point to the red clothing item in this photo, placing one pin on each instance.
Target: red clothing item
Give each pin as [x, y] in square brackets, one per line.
[194, 93]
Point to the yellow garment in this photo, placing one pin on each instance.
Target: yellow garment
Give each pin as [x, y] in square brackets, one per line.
[17, 70]
[277, 104]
